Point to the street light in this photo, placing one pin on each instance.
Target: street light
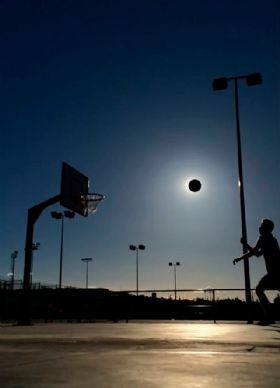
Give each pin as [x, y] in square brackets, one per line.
[61, 216]
[13, 258]
[140, 247]
[35, 247]
[176, 264]
[86, 260]
[221, 84]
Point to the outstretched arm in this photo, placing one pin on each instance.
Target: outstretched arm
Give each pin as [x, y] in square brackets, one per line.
[245, 256]
[253, 251]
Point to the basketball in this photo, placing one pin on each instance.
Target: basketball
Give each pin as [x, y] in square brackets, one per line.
[194, 185]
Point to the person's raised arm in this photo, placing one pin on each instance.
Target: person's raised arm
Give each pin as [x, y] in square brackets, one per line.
[245, 256]
[253, 251]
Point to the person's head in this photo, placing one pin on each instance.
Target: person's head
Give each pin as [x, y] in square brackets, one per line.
[266, 226]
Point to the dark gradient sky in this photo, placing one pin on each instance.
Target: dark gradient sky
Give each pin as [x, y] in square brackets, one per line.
[122, 91]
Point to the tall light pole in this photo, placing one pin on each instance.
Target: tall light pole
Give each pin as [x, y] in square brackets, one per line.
[174, 265]
[86, 260]
[13, 258]
[35, 247]
[61, 216]
[221, 84]
[140, 247]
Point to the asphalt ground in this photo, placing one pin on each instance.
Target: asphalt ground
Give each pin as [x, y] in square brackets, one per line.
[140, 354]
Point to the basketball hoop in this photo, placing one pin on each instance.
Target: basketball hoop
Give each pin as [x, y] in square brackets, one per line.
[90, 202]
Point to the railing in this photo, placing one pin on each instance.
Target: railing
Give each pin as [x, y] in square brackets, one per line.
[210, 294]
[17, 285]
[212, 303]
[190, 304]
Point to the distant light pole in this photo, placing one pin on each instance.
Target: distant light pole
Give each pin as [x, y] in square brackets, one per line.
[174, 265]
[13, 258]
[140, 247]
[61, 216]
[35, 247]
[86, 260]
[221, 84]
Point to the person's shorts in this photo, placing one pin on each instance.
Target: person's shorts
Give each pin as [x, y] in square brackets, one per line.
[269, 282]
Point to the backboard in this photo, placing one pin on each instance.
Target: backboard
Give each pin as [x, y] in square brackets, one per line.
[74, 185]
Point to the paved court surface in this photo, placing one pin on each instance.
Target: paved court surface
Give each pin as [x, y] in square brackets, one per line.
[140, 354]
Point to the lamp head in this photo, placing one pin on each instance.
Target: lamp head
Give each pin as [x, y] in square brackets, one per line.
[56, 215]
[254, 79]
[220, 84]
[69, 214]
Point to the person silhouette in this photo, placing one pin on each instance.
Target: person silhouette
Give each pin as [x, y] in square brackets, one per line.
[267, 245]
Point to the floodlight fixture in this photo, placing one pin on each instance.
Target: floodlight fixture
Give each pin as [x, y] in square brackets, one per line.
[69, 214]
[86, 260]
[35, 246]
[136, 248]
[56, 215]
[177, 263]
[220, 84]
[60, 216]
[13, 258]
[251, 80]
[254, 79]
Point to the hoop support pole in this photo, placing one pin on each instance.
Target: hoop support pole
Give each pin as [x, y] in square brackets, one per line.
[33, 215]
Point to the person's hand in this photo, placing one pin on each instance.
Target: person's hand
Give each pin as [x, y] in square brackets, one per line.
[236, 260]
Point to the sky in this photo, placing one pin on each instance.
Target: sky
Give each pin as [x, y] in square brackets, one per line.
[122, 91]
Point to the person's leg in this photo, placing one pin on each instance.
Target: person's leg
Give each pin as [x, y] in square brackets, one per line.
[263, 285]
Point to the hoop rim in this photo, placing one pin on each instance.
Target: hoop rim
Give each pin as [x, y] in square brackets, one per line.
[92, 197]
[90, 202]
